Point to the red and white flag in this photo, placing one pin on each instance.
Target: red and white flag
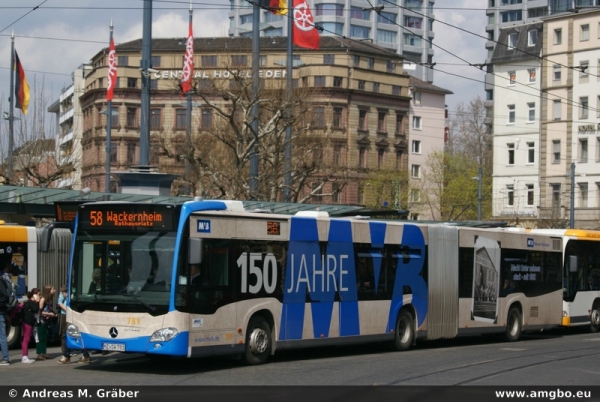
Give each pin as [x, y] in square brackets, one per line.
[112, 70]
[304, 32]
[188, 63]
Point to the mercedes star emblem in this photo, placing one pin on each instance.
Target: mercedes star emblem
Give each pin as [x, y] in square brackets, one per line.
[113, 332]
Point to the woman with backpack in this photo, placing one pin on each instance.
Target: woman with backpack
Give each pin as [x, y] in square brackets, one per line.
[47, 314]
[30, 310]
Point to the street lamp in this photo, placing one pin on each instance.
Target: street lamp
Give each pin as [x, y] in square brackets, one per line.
[479, 179]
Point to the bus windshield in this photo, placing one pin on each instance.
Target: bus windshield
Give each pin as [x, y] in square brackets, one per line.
[127, 272]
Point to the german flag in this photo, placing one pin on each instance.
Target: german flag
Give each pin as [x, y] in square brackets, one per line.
[21, 86]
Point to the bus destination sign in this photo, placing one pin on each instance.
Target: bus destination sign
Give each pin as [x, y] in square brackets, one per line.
[124, 217]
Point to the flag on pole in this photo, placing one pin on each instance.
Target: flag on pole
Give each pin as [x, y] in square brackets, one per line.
[112, 70]
[304, 32]
[21, 86]
[278, 7]
[188, 63]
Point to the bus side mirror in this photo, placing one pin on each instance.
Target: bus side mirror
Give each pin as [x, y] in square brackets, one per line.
[194, 250]
[572, 263]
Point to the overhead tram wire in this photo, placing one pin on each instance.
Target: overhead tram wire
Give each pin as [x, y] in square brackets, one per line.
[23, 16]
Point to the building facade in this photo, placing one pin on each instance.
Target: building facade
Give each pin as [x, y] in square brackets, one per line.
[407, 29]
[359, 96]
[570, 125]
[516, 122]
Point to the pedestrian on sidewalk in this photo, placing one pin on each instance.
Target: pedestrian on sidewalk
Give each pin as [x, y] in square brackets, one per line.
[30, 321]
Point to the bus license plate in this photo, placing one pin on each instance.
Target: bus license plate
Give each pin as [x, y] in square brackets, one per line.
[114, 347]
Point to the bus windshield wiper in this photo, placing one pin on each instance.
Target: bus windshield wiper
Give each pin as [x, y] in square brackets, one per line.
[150, 307]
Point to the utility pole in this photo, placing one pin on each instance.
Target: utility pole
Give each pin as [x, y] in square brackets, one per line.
[145, 68]
[572, 217]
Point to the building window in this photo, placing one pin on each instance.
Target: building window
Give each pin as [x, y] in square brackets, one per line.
[399, 124]
[384, 35]
[130, 153]
[131, 117]
[381, 123]
[412, 40]
[207, 118]
[337, 82]
[362, 119]
[262, 60]
[556, 151]
[359, 32]
[319, 116]
[413, 22]
[532, 75]
[531, 38]
[583, 150]
[584, 69]
[153, 84]
[338, 117]
[239, 60]
[512, 78]
[416, 147]
[360, 13]
[510, 196]
[155, 119]
[337, 155]
[531, 152]
[209, 61]
[380, 157]
[370, 63]
[512, 41]
[361, 85]
[511, 16]
[327, 9]
[122, 61]
[390, 66]
[415, 171]
[558, 36]
[355, 61]
[328, 59]
[557, 109]
[415, 195]
[417, 98]
[375, 87]
[531, 114]
[131, 82]
[114, 148]
[155, 61]
[396, 90]
[530, 194]
[583, 190]
[555, 199]
[511, 114]
[362, 157]
[180, 118]
[585, 33]
[557, 72]
[417, 122]
[319, 80]
[511, 153]
[399, 160]
[583, 107]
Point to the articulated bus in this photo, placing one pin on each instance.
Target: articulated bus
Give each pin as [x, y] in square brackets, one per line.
[208, 278]
[580, 275]
[35, 257]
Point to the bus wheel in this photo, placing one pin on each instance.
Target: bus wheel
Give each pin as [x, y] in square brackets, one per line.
[258, 341]
[405, 334]
[595, 319]
[513, 325]
[13, 336]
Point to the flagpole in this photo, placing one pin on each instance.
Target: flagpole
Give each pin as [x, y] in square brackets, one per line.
[188, 122]
[108, 126]
[11, 115]
[145, 67]
[287, 180]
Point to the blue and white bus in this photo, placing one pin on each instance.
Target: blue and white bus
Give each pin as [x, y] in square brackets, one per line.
[209, 278]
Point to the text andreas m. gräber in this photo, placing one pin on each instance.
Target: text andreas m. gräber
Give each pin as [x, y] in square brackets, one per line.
[106, 393]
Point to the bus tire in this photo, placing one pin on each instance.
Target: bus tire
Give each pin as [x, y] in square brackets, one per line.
[404, 334]
[258, 341]
[514, 325]
[13, 336]
[595, 319]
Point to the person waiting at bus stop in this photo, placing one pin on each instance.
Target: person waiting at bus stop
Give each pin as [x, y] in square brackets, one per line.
[62, 306]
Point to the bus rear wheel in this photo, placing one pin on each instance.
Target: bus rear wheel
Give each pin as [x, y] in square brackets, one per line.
[595, 319]
[404, 332]
[258, 341]
[13, 336]
[513, 325]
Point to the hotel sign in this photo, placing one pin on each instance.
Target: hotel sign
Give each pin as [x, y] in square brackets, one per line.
[220, 74]
[588, 129]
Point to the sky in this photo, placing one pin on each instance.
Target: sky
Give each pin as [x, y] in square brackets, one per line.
[60, 35]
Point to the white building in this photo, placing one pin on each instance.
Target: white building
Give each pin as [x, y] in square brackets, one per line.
[516, 122]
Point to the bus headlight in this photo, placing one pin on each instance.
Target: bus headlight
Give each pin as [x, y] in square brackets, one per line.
[73, 331]
[164, 335]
